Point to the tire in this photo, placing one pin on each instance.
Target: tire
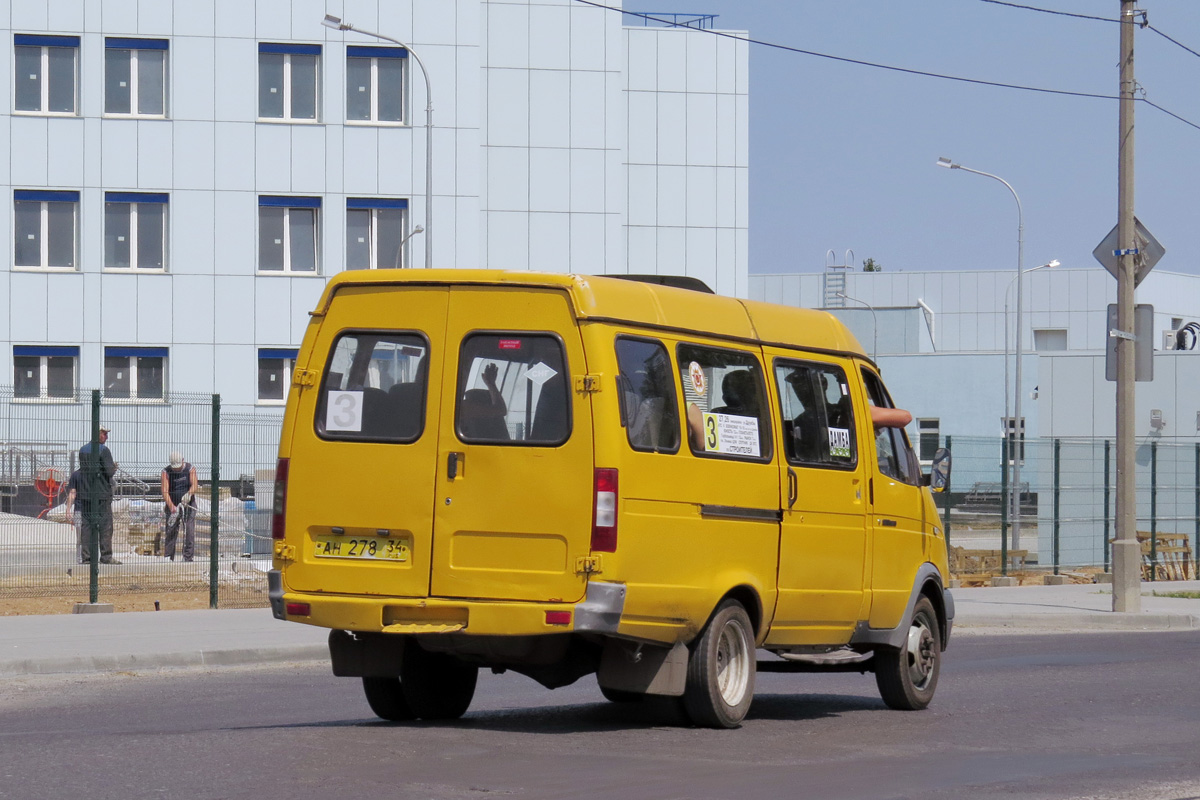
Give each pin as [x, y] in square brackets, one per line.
[621, 696]
[436, 685]
[721, 669]
[908, 676]
[386, 699]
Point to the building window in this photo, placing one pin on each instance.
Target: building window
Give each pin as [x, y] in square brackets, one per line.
[135, 373]
[135, 230]
[45, 373]
[929, 433]
[375, 235]
[46, 226]
[287, 81]
[135, 77]
[375, 84]
[275, 374]
[287, 233]
[46, 70]
[1049, 339]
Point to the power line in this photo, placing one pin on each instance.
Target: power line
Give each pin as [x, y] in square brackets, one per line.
[1145, 22]
[1172, 41]
[844, 60]
[904, 70]
[1050, 11]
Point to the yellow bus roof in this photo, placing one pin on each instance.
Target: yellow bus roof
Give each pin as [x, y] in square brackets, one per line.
[599, 297]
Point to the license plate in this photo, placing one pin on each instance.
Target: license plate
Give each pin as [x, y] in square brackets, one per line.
[363, 547]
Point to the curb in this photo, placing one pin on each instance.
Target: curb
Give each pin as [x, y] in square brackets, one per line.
[160, 661]
[1075, 623]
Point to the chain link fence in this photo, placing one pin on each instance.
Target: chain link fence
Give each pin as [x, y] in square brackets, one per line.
[49, 544]
[1067, 507]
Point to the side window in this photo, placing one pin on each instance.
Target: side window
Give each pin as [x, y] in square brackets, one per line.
[646, 392]
[727, 412]
[374, 388]
[513, 389]
[895, 456]
[818, 415]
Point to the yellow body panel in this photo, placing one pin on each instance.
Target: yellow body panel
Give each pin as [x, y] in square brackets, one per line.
[497, 535]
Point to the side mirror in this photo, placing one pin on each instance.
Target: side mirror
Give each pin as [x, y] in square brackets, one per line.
[939, 472]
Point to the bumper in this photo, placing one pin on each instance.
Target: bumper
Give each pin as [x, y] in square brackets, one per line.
[600, 612]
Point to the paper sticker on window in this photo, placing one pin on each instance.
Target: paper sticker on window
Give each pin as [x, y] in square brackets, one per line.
[696, 375]
[343, 411]
[839, 442]
[510, 344]
[731, 434]
[539, 373]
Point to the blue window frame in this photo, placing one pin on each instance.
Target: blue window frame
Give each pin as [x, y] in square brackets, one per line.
[287, 81]
[135, 77]
[376, 232]
[135, 230]
[46, 74]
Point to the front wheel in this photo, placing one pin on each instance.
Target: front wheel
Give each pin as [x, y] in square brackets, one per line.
[721, 667]
[908, 676]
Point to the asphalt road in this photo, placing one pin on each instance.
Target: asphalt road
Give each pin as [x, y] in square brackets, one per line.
[1052, 716]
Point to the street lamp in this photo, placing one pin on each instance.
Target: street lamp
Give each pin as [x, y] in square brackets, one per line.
[1016, 466]
[874, 323]
[1016, 430]
[336, 24]
[414, 232]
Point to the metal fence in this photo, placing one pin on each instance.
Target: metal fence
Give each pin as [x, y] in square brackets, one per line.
[1067, 504]
[41, 535]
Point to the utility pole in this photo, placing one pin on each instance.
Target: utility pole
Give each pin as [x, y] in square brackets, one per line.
[1126, 550]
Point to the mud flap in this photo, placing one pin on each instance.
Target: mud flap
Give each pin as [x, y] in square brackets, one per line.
[644, 669]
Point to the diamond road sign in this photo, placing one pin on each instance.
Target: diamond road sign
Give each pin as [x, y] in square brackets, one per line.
[1146, 253]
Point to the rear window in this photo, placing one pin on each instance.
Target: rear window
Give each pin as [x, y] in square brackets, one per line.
[513, 389]
[374, 388]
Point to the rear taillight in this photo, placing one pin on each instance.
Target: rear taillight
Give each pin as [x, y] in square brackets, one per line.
[298, 610]
[279, 507]
[604, 513]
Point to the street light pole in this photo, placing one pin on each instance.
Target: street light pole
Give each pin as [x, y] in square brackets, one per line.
[874, 323]
[336, 23]
[1018, 439]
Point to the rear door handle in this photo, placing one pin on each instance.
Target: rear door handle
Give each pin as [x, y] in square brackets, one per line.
[793, 487]
[453, 461]
[888, 523]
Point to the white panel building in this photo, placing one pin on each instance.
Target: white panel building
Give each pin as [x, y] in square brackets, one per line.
[183, 177]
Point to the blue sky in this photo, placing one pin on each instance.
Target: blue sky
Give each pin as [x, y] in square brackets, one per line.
[843, 156]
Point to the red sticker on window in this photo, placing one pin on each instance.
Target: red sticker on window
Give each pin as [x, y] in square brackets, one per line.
[510, 344]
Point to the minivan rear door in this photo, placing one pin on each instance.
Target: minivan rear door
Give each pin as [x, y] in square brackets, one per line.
[364, 449]
[515, 476]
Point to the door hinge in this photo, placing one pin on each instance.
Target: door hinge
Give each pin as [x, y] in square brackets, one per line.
[586, 384]
[587, 565]
[285, 552]
[304, 377]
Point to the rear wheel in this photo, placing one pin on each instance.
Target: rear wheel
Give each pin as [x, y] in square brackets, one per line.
[721, 667]
[436, 685]
[907, 677]
[386, 699]
[621, 696]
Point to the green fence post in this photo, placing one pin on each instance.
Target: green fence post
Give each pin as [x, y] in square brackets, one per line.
[214, 502]
[1004, 506]
[1107, 495]
[946, 524]
[92, 476]
[1153, 510]
[1196, 548]
[1057, 492]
